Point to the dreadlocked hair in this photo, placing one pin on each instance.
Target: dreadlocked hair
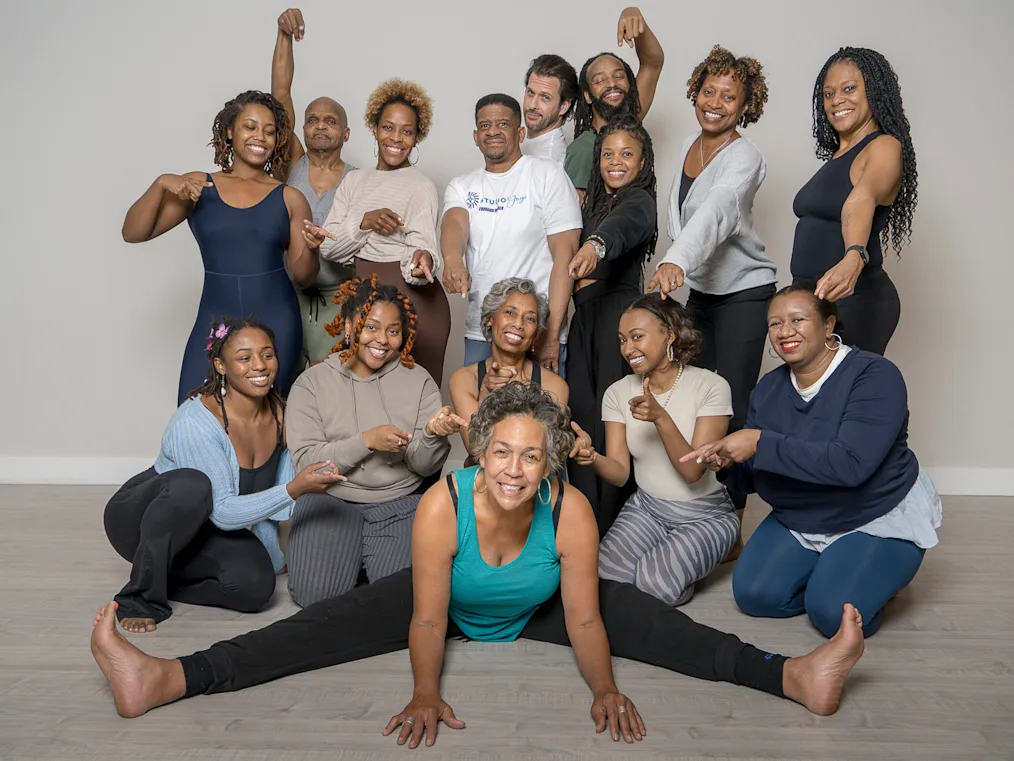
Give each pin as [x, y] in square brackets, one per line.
[356, 297]
[746, 71]
[598, 202]
[583, 112]
[884, 95]
[218, 339]
[226, 118]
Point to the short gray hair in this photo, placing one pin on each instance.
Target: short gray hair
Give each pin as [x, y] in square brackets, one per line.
[497, 297]
[523, 400]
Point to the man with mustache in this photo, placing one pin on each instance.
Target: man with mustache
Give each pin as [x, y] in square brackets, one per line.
[316, 172]
[518, 216]
[608, 86]
[551, 91]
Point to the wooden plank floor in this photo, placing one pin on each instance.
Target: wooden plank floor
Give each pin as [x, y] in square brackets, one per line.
[935, 683]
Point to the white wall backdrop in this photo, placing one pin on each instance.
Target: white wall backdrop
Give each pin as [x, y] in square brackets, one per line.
[100, 98]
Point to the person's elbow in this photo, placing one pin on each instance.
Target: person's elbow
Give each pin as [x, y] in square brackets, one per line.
[131, 235]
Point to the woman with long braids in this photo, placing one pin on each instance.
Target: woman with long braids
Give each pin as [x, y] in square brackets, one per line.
[384, 220]
[248, 225]
[500, 551]
[862, 198]
[715, 248]
[369, 410]
[680, 522]
[199, 526]
[620, 230]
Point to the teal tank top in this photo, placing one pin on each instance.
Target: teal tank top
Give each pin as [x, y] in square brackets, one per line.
[493, 604]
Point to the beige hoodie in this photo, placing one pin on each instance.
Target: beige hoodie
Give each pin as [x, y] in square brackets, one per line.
[330, 407]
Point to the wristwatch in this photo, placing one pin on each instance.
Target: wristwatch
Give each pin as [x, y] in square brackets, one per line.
[862, 252]
[598, 245]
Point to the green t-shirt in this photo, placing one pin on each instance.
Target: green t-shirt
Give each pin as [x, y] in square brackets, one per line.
[580, 159]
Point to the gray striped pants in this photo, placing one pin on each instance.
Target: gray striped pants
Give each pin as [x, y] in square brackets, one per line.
[330, 540]
[664, 547]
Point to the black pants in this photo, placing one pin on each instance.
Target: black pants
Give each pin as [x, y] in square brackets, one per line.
[733, 330]
[375, 619]
[871, 314]
[594, 363]
[160, 523]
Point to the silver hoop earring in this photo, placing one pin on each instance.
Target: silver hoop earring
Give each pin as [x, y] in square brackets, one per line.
[772, 353]
[549, 490]
[669, 354]
[224, 392]
[475, 483]
[836, 346]
[417, 154]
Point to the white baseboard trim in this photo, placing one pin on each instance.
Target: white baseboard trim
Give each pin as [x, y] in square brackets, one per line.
[971, 482]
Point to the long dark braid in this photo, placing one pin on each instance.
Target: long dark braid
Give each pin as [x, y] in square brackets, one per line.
[884, 95]
[597, 201]
[356, 298]
[583, 115]
[223, 331]
[226, 118]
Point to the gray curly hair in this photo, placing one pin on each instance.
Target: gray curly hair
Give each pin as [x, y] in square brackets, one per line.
[523, 400]
[497, 297]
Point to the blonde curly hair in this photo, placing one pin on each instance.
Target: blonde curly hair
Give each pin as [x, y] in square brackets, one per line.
[411, 94]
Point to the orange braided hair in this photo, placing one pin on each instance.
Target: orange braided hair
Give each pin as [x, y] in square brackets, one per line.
[356, 303]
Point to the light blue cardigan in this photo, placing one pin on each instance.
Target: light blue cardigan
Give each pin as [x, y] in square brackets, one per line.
[195, 439]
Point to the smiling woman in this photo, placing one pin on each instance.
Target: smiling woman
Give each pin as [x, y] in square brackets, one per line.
[377, 416]
[384, 220]
[248, 226]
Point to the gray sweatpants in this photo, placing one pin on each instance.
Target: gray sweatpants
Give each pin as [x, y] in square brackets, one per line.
[330, 540]
[664, 547]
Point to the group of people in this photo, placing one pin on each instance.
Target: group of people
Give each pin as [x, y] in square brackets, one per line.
[640, 423]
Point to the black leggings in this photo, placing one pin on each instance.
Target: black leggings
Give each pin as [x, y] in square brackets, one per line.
[160, 523]
[871, 314]
[594, 363]
[733, 330]
[374, 619]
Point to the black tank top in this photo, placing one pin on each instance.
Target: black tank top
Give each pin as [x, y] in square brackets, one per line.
[536, 373]
[685, 182]
[818, 244]
[254, 480]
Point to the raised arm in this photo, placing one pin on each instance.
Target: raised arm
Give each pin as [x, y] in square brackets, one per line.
[577, 542]
[167, 202]
[634, 30]
[434, 544]
[877, 186]
[304, 262]
[283, 66]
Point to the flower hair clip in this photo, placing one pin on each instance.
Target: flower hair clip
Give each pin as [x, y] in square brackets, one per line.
[220, 332]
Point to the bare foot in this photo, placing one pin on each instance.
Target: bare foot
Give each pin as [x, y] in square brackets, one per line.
[817, 680]
[139, 682]
[138, 625]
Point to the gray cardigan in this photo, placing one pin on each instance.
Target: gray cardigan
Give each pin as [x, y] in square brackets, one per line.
[714, 241]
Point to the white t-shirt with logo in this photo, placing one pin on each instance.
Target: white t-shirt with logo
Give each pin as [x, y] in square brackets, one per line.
[550, 145]
[510, 216]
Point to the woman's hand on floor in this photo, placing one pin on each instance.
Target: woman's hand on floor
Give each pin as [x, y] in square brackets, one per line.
[617, 711]
[421, 717]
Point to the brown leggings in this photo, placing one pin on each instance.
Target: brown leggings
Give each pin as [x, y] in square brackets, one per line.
[430, 302]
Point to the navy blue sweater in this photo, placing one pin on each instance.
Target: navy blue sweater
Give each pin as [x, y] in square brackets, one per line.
[837, 462]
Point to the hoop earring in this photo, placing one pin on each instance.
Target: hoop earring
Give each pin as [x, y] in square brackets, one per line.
[376, 149]
[772, 353]
[836, 346]
[549, 490]
[417, 154]
[224, 391]
[669, 353]
[475, 482]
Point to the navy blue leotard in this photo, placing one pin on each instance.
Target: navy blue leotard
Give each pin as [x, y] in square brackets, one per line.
[244, 275]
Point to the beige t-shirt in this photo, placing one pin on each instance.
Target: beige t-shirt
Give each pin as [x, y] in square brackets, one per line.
[700, 393]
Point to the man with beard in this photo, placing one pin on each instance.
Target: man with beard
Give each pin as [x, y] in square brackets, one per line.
[316, 172]
[606, 84]
[550, 94]
[518, 216]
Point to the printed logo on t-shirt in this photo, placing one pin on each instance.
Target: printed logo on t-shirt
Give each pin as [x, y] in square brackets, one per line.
[499, 203]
